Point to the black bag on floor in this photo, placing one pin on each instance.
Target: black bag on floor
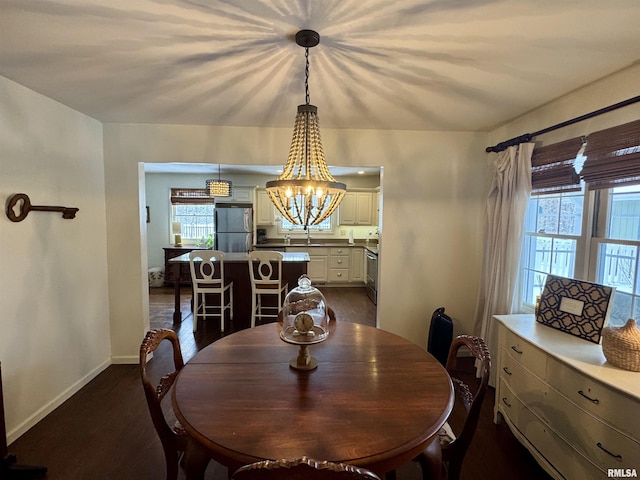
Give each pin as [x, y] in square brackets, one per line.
[440, 335]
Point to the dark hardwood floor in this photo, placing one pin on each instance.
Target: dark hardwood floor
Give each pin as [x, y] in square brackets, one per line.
[105, 432]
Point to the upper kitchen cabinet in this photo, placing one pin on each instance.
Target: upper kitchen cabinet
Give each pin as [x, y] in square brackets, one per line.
[358, 208]
[238, 195]
[265, 211]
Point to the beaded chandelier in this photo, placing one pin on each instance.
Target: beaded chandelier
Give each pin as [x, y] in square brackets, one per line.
[306, 193]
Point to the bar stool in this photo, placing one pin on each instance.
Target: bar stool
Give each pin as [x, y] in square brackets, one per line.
[207, 278]
[265, 273]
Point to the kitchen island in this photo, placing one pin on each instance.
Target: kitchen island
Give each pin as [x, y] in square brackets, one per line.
[236, 269]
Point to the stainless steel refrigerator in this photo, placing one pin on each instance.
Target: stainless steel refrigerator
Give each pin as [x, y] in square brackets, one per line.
[234, 227]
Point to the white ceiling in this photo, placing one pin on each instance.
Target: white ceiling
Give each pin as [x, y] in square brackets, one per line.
[401, 64]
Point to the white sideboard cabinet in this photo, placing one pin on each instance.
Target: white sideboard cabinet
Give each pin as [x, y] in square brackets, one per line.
[578, 415]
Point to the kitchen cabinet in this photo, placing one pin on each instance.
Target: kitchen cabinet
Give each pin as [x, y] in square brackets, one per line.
[318, 266]
[334, 265]
[239, 195]
[264, 208]
[356, 208]
[356, 272]
[564, 402]
[339, 264]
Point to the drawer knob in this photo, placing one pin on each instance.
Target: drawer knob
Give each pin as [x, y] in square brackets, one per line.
[339, 274]
[594, 400]
[506, 370]
[513, 347]
[617, 457]
[339, 261]
[504, 400]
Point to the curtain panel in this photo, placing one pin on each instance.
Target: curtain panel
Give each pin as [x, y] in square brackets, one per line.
[504, 230]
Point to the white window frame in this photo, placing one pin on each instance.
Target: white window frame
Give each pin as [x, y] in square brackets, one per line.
[595, 223]
[187, 239]
[581, 255]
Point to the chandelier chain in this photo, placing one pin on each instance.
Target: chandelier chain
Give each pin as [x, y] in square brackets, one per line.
[306, 76]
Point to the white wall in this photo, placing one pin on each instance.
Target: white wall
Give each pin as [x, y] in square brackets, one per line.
[433, 189]
[53, 287]
[608, 91]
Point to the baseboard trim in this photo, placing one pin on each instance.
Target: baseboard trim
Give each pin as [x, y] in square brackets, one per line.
[31, 421]
[125, 360]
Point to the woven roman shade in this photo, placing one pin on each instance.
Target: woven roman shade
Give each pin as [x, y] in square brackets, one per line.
[613, 157]
[191, 196]
[552, 167]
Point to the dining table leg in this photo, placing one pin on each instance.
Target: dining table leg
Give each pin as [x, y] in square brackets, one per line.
[195, 461]
[177, 314]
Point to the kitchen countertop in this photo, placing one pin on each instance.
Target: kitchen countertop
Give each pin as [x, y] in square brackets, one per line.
[361, 244]
[371, 246]
[287, 257]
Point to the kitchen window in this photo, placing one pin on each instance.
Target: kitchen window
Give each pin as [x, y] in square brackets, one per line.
[324, 226]
[194, 209]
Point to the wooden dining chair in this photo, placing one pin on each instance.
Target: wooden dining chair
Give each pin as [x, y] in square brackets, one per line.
[172, 436]
[265, 274]
[303, 468]
[207, 279]
[443, 458]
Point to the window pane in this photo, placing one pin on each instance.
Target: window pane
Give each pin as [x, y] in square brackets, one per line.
[197, 220]
[548, 214]
[571, 214]
[543, 255]
[618, 267]
[324, 225]
[555, 214]
[624, 213]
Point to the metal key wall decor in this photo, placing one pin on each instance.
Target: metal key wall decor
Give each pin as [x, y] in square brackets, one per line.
[21, 200]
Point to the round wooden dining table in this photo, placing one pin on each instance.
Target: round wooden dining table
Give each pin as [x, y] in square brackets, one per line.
[375, 400]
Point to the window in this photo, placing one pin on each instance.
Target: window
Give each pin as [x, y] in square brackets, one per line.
[196, 220]
[553, 227]
[554, 243]
[194, 209]
[557, 240]
[325, 225]
[616, 262]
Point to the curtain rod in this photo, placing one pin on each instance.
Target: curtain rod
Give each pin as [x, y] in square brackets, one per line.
[527, 137]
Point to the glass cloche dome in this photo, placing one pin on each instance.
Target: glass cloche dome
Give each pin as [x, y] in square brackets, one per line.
[305, 318]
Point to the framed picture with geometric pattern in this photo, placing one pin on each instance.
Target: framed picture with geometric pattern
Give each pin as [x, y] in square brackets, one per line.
[575, 307]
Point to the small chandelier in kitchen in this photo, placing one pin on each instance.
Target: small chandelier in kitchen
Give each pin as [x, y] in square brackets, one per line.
[306, 193]
[219, 188]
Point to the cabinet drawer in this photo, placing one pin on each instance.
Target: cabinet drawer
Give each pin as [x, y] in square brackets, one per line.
[544, 441]
[605, 446]
[338, 275]
[310, 250]
[530, 357]
[339, 251]
[530, 389]
[339, 261]
[603, 402]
